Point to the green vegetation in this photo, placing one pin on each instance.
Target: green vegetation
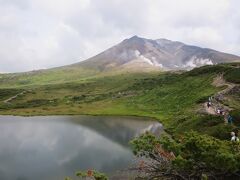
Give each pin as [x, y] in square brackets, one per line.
[233, 75]
[44, 77]
[91, 174]
[175, 98]
[7, 93]
[193, 156]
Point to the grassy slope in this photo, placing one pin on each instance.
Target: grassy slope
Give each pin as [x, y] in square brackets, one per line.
[61, 75]
[173, 98]
[44, 77]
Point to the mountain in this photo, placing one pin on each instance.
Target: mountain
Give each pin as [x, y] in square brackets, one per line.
[131, 55]
[142, 54]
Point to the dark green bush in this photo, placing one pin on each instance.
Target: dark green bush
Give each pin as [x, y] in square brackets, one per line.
[190, 157]
[6, 93]
[233, 75]
[236, 117]
[202, 100]
[79, 98]
[210, 120]
[208, 69]
[222, 131]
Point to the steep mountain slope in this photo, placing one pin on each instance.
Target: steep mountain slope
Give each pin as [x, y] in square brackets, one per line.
[133, 55]
[144, 54]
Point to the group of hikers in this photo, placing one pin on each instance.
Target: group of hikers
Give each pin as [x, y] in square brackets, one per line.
[223, 112]
[220, 111]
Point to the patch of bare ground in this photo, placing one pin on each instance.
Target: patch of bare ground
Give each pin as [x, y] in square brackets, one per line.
[218, 99]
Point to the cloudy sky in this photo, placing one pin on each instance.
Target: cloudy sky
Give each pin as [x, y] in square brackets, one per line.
[37, 34]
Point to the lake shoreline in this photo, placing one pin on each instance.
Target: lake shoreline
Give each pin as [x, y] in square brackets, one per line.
[69, 143]
[148, 118]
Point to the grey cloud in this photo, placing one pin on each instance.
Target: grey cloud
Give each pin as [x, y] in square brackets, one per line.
[22, 4]
[41, 33]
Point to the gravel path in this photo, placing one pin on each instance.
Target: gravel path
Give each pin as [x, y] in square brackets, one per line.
[7, 101]
[218, 97]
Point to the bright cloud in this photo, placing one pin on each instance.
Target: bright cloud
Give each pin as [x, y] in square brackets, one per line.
[38, 34]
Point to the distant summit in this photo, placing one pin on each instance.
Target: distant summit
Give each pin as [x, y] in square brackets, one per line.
[140, 54]
[133, 55]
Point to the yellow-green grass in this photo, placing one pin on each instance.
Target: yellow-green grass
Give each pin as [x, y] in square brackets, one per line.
[173, 98]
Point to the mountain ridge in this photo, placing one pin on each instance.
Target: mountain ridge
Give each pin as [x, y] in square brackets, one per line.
[162, 54]
[133, 55]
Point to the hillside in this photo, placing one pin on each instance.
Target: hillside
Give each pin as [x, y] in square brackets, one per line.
[137, 52]
[133, 55]
[175, 98]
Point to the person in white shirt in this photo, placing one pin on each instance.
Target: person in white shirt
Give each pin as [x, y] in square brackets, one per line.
[234, 137]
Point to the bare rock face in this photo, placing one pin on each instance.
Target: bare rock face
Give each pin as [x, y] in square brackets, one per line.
[142, 54]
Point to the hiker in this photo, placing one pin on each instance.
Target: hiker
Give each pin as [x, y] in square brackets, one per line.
[226, 117]
[234, 137]
[230, 119]
[210, 99]
[221, 112]
[208, 104]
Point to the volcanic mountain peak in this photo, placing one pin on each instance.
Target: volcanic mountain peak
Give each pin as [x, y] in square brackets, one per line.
[138, 53]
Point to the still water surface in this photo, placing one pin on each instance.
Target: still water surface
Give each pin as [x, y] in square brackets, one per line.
[52, 147]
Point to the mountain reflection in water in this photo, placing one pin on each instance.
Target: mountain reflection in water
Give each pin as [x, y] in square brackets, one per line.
[52, 147]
